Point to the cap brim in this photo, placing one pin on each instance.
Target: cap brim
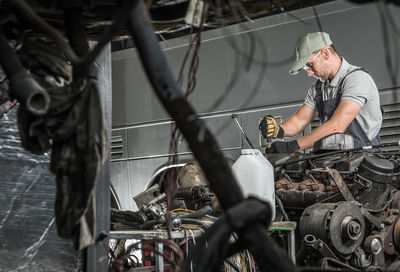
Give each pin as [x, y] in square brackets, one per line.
[298, 65]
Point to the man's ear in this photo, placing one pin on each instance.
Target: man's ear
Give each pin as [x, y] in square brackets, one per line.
[326, 54]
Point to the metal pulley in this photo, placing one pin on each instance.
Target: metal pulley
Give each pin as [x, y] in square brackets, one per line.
[338, 224]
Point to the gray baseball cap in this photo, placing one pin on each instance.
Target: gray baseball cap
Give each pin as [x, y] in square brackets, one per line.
[306, 46]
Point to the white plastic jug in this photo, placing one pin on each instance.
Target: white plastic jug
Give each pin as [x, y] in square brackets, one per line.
[255, 176]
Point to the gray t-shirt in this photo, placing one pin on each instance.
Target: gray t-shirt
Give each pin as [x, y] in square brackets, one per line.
[358, 87]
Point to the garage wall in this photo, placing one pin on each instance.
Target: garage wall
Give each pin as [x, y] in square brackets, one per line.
[141, 128]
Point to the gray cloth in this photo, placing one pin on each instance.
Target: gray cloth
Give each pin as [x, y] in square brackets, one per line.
[358, 87]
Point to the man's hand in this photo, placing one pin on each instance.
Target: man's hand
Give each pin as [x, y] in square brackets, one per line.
[270, 129]
[283, 147]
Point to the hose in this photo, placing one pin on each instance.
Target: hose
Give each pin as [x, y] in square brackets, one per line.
[337, 152]
[23, 86]
[207, 152]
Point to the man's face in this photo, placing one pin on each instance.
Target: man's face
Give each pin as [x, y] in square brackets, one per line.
[316, 66]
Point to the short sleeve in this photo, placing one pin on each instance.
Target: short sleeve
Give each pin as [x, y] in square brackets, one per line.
[357, 87]
[309, 100]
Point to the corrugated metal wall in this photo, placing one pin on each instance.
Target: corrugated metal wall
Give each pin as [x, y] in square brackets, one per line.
[141, 128]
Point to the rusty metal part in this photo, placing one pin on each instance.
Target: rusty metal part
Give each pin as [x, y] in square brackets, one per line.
[283, 183]
[308, 184]
[389, 218]
[396, 232]
[340, 224]
[321, 246]
[193, 188]
[193, 193]
[360, 259]
[395, 266]
[334, 175]
[332, 264]
[396, 201]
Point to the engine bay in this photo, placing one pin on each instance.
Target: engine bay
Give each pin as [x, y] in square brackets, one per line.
[336, 208]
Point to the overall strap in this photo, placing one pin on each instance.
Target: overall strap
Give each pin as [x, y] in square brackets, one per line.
[318, 97]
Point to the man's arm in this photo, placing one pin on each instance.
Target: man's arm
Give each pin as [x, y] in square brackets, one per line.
[299, 121]
[341, 119]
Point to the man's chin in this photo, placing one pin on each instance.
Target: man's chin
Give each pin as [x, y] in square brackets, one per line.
[322, 79]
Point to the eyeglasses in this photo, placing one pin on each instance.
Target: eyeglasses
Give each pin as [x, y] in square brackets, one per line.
[309, 65]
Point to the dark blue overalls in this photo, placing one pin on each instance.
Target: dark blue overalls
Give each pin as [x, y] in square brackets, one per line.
[327, 108]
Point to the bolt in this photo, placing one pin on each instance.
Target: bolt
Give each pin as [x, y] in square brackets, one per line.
[354, 228]
[176, 223]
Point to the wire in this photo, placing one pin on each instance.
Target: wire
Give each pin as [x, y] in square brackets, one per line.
[385, 34]
[175, 134]
[254, 41]
[280, 205]
[191, 232]
[317, 17]
[178, 253]
[242, 262]
[386, 205]
[389, 18]
[120, 20]
[180, 209]
[361, 148]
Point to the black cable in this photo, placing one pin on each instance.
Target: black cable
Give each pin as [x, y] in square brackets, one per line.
[388, 17]
[385, 34]
[232, 264]
[75, 29]
[337, 152]
[205, 148]
[120, 20]
[317, 18]
[385, 206]
[199, 213]
[329, 197]
[209, 156]
[280, 205]
[241, 218]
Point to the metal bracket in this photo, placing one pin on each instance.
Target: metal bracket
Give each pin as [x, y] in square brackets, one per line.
[335, 176]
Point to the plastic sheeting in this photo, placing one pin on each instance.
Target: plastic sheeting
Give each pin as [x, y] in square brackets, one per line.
[28, 235]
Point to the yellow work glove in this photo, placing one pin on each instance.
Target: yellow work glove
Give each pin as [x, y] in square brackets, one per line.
[270, 129]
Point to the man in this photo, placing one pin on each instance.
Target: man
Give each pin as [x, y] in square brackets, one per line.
[344, 97]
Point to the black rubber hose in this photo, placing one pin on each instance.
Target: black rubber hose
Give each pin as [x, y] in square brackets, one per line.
[337, 152]
[199, 138]
[201, 141]
[199, 213]
[149, 224]
[75, 29]
[280, 205]
[23, 86]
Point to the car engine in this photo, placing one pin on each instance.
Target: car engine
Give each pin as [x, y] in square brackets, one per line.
[345, 204]
[342, 205]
